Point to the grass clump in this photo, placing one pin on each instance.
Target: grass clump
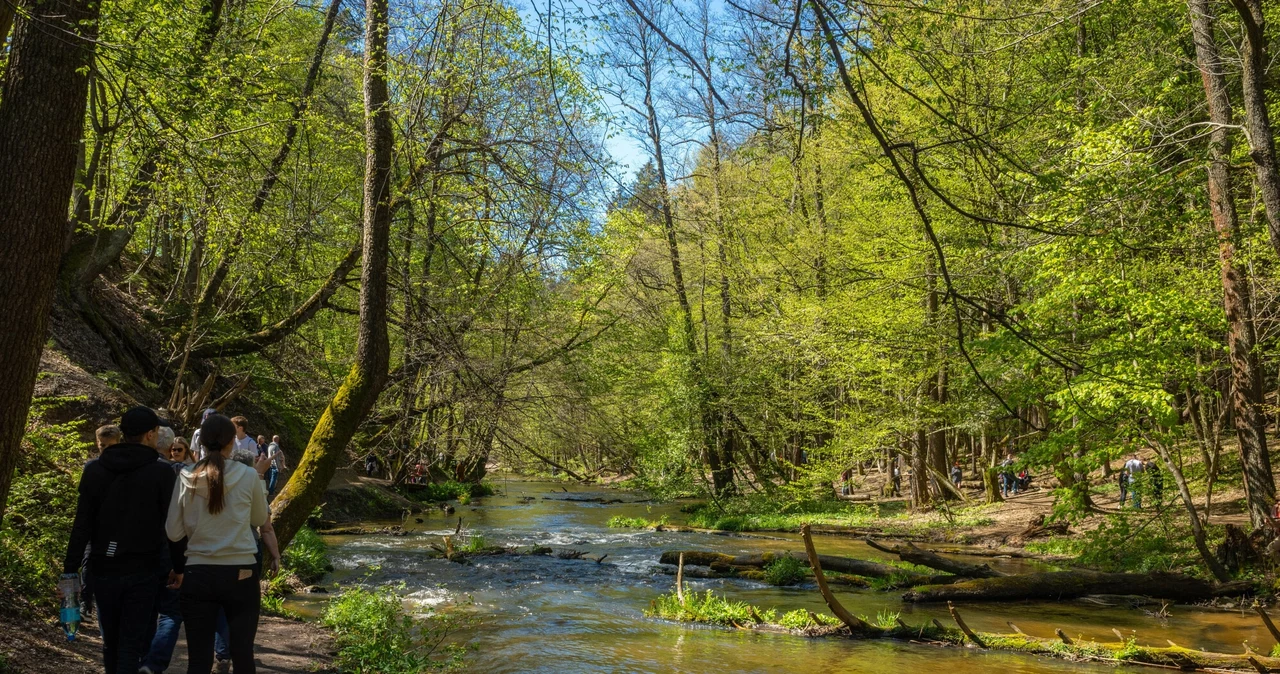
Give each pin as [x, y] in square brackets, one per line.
[886, 619]
[474, 543]
[707, 608]
[786, 570]
[307, 557]
[800, 619]
[375, 635]
[620, 522]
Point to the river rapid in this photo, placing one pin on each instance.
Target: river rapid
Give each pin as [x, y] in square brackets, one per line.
[545, 614]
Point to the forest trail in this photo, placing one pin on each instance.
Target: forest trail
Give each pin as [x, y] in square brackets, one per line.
[38, 647]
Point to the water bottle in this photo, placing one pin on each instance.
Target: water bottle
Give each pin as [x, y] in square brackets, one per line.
[69, 614]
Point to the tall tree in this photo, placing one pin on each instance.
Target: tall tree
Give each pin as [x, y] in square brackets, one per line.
[1246, 390]
[42, 110]
[353, 400]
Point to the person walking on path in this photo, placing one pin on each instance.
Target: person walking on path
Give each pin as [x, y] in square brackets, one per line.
[1008, 480]
[195, 437]
[278, 465]
[106, 436]
[215, 506]
[957, 474]
[121, 513]
[1134, 468]
[244, 441]
[165, 629]
[181, 453]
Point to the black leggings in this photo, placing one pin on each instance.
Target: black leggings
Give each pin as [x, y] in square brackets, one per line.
[207, 588]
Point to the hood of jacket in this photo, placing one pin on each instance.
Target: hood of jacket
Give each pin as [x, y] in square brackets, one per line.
[127, 457]
[196, 481]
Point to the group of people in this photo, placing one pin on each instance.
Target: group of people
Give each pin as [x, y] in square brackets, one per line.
[1139, 476]
[1013, 480]
[168, 532]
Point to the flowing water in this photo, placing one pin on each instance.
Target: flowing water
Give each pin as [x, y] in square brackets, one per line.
[545, 614]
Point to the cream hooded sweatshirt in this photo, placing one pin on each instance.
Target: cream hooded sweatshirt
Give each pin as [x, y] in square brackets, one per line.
[226, 538]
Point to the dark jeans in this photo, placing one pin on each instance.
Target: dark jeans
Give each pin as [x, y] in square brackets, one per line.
[205, 590]
[126, 614]
[273, 474]
[165, 636]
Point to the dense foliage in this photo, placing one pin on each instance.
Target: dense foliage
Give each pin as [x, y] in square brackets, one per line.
[858, 236]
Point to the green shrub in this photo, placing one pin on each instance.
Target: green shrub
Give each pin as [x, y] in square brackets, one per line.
[786, 570]
[307, 556]
[375, 635]
[1139, 542]
[446, 491]
[273, 604]
[41, 506]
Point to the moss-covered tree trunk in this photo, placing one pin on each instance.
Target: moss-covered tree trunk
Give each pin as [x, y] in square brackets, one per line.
[351, 403]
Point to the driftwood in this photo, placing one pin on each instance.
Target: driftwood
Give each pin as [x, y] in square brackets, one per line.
[1071, 584]
[910, 553]
[1038, 528]
[815, 562]
[856, 567]
[750, 573]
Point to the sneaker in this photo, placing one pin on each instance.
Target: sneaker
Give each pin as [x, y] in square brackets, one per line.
[146, 670]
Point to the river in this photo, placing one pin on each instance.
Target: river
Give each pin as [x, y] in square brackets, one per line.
[545, 614]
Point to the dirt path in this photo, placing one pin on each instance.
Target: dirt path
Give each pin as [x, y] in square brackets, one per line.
[33, 647]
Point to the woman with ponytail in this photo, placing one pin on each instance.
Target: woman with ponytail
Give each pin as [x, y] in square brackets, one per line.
[215, 505]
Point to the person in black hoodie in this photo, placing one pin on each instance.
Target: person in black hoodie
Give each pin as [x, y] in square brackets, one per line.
[123, 503]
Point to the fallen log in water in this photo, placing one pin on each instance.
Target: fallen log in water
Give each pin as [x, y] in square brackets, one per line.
[750, 573]
[1072, 584]
[847, 565]
[910, 553]
[1165, 657]
[1127, 652]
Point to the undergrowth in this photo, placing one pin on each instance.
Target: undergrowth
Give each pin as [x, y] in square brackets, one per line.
[786, 570]
[374, 634]
[41, 505]
[307, 557]
[446, 491]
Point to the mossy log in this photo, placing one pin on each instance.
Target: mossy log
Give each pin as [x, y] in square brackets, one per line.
[846, 565]
[1072, 584]
[910, 553]
[1166, 657]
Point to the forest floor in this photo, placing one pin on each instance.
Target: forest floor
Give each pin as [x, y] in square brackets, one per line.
[36, 645]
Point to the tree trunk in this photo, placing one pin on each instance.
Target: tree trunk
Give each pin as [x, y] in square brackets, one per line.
[351, 403]
[1262, 146]
[1246, 396]
[42, 108]
[920, 497]
[1058, 585]
[1197, 528]
[721, 476]
[908, 552]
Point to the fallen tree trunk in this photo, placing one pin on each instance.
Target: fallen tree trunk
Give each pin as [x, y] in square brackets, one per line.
[856, 567]
[1072, 584]
[910, 553]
